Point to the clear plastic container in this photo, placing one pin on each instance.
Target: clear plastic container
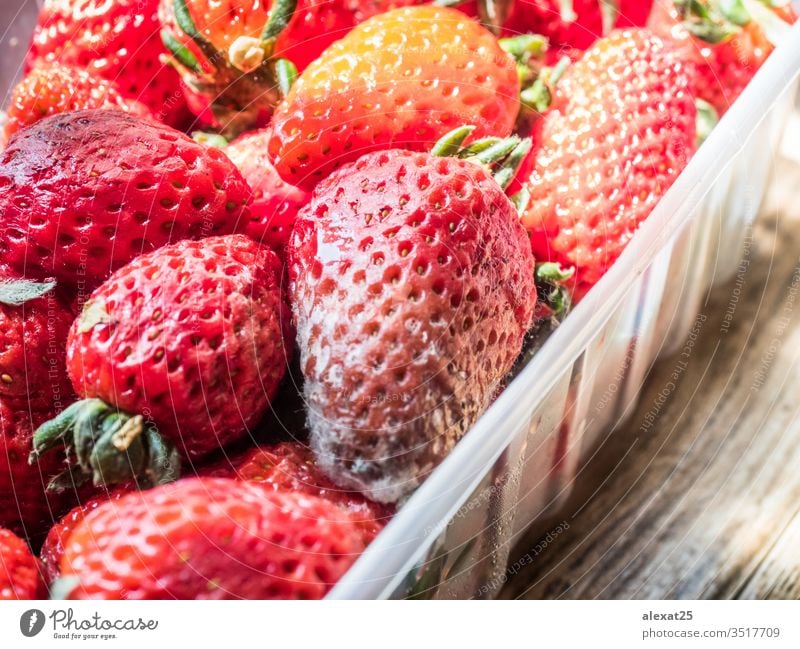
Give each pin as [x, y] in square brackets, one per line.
[518, 463]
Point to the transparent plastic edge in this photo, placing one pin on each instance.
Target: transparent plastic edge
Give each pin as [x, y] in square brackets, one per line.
[424, 516]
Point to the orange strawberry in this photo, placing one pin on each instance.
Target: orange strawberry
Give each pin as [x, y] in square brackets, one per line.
[401, 79]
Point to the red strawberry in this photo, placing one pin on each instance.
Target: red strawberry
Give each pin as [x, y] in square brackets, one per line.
[189, 339]
[726, 48]
[25, 505]
[33, 333]
[412, 286]
[83, 193]
[572, 24]
[634, 13]
[290, 466]
[117, 40]
[210, 538]
[275, 201]
[401, 79]
[620, 130]
[51, 88]
[20, 576]
[53, 546]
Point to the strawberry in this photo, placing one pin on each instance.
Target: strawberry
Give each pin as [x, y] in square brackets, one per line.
[400, 79]
[228, 53]
[567, 24]
[51, 88]
[83, 193]
[634, 13]
[726, 42]
[210, 538]
[412, 285]
[275, 201]
[33, 333]
[619, 131]
[25, 505]
[117, 40]
[290, 466]
[20, 576]
[188, 340]
[53, 546]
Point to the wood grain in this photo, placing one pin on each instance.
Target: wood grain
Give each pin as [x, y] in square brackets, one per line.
[705, 503]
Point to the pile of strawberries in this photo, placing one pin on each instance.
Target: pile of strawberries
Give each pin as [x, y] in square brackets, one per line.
[379, 202]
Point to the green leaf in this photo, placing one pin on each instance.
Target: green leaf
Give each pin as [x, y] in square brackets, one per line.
[286, 74]
[15, 292]
[180, 52]
[184, 19]
[450, 143]
[735, 12]
[279, 17]
[508, 169]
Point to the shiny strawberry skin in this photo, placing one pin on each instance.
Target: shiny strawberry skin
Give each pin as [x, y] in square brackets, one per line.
[51, 88]
[193, 335]
[400, 79]
[20, 575]
[83, 193]
[317, 24]
[412, 286]
[544, 17]
[275, 201]
[620, 130]
[25, 506]
[211, 538]
[33, 340]
[723, 70]
[53, 546]
[117, 40]
[290, 466]
[634, 13]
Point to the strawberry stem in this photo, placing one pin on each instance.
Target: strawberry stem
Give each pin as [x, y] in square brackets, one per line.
[108, 445]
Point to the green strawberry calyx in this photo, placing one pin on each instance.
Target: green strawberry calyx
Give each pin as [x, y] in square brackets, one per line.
[501, 156]
[553, 295]
[707, 119]
[718, 21]
[106, 446]
[539, 95]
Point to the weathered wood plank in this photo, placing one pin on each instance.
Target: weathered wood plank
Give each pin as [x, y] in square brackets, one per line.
[706, 501]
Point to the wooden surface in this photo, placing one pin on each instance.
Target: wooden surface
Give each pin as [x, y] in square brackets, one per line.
[706, 502]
